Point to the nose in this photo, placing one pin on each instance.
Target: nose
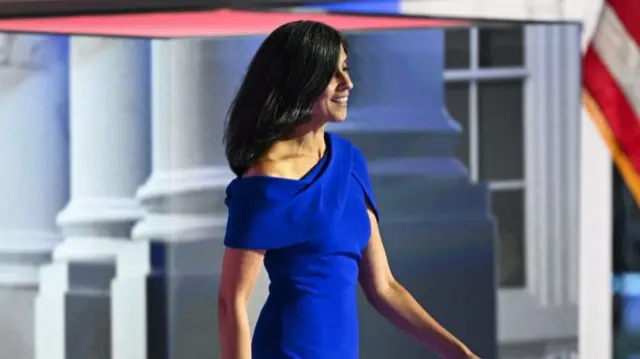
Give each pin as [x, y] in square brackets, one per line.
[349, 84]
[346, 82]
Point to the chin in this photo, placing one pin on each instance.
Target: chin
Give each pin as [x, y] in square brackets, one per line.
[338, 118]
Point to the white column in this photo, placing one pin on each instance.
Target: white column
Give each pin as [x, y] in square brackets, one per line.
[595, 292]
[33, 175]
[165, 292]
[109, 126]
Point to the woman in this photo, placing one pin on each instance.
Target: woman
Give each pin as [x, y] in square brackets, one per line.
[302, 204]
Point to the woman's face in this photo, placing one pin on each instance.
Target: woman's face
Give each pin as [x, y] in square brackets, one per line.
[331, 106]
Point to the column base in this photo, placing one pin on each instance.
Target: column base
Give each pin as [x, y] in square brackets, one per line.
[163, 316]
[90, 249]
[19, 277]
[73, 311]
[96, 218]
[22, 253]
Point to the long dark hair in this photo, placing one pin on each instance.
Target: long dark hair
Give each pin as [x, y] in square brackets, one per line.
[288, 73]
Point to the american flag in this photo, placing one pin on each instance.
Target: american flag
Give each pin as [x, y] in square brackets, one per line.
[611, 76]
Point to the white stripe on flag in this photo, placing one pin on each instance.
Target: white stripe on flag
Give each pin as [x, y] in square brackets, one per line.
[619, 52]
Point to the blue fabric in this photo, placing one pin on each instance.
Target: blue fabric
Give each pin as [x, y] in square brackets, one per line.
[314, 231]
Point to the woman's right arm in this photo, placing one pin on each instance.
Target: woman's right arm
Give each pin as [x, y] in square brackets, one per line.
[240, 269]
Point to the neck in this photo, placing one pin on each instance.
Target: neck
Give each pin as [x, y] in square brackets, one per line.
[304, 142]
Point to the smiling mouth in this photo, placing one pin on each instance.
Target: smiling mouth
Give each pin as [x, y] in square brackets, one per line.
[342, 100]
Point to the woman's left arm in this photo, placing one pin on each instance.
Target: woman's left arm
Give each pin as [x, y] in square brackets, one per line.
[396, 304]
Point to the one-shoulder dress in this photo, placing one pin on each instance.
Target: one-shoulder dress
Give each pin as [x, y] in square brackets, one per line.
[313, 231]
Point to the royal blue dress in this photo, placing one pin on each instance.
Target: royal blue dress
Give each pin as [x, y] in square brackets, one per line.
[314, 231]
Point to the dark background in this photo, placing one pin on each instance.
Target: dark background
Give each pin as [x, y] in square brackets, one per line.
[626, 267]
[626, 228]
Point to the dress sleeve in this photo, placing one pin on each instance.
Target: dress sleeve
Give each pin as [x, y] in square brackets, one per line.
[361, 173]
[240, 233]
[260, 232]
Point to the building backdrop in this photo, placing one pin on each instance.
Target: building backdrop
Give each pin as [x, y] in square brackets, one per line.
[113, 169]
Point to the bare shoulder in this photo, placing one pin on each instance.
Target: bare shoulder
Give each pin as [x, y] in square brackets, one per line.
[265, 168]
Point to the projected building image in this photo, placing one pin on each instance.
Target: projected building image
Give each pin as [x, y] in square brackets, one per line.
[114, 178]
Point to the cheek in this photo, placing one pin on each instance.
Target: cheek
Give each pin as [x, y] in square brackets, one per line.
[317, 107]
[321, 104]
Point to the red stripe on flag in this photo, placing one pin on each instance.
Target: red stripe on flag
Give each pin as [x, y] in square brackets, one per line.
[625, 168]
[628, 12]
[614, 105]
